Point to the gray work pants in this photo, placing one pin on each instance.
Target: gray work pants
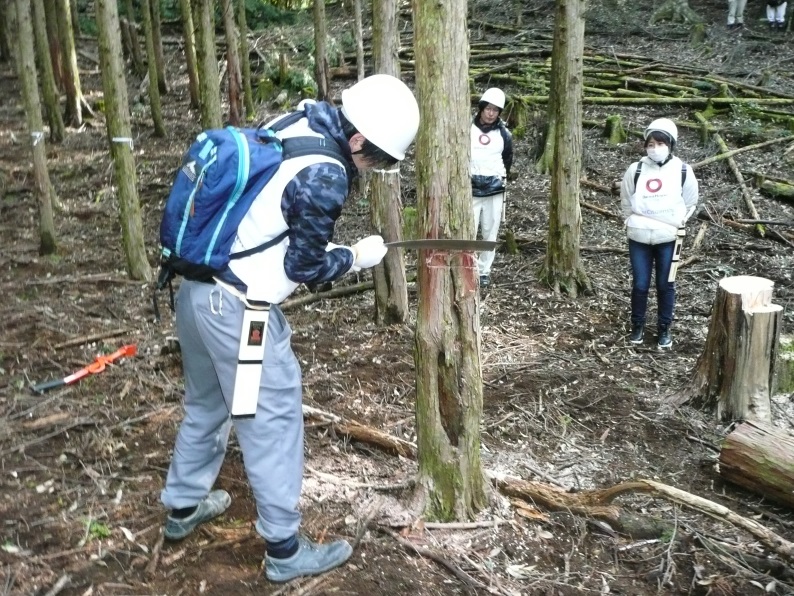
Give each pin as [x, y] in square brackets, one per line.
[209, 320]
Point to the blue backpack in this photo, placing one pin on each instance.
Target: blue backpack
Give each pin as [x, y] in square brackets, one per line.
[222, 173]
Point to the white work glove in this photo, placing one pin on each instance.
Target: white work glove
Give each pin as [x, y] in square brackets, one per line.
[368, 252]
[331, 246]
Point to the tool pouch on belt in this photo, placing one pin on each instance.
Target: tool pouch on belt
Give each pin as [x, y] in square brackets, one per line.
[249, 359]
[679, 242]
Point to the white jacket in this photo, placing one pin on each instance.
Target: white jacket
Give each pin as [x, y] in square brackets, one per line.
[659, 205]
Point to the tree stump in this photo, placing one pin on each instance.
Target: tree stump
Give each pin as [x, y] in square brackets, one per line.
[735, 372]
[760, 458]
[614, 131]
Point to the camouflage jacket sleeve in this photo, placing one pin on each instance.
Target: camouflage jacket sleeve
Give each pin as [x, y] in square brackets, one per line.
[311, 204]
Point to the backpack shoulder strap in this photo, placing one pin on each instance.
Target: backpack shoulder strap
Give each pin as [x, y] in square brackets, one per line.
[637, 173]
[300, 146]
[261, 247]
[683, 174]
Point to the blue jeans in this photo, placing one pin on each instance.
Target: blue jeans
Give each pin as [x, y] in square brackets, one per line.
[644, 258]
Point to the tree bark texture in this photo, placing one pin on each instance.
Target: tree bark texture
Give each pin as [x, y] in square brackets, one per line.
[135, 43]
[5, 37]
[190, 52]
[119, 133]
[48, 87]
[51, 14]
[41, 177]
[71, 75]
[245, 62]
[233, 64]
[157, 38]
[391, 289]
[151, 63]
[447, 343]
[760, 458]
[209, 85]
[359, 35]
[735, 371]
[322, 73]
[562, 268]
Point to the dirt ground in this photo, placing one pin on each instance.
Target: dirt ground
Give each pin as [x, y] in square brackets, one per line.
[568, 401]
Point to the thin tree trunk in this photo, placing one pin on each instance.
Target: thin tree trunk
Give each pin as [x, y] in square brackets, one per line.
[321, 70]
[391, 289]
[359, 35]
[119, 133]
[75, 19]
[71, 79]
[135, 44]
[562, 269]
[190, 52]
[248, 96]
[41, 177]
[126, 40]
[162, 82]
[232, 64]
[154, 89]
[209, 85]
[51, 13]
[48, 87]
[447, 344]
[5, 37]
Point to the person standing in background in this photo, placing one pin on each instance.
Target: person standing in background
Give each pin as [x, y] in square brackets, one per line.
[736, 14]
[658, 195]
[776, 14]
[491, 159]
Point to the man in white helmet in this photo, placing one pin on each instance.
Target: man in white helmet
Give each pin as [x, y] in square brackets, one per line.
[491, 159]
[658, 195]
[374, 127]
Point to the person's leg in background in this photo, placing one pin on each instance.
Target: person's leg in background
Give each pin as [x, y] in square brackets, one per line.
[491, 218]
[641, 259]
[665, 292]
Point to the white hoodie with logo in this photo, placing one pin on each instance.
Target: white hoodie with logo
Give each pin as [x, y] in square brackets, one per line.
[658, 206]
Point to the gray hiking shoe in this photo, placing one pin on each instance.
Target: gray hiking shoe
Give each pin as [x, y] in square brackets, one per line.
[311, 559]
[212, 506]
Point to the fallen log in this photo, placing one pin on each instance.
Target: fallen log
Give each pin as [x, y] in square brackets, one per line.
[365, 434]
[748, 200]
[760, 458]
[732, 152]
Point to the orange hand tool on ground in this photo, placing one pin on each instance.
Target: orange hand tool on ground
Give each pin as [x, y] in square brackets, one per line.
[96, 366]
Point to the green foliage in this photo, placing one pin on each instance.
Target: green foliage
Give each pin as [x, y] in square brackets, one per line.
[259, 13]
[410, 222]
[97, 530]
[88, 24]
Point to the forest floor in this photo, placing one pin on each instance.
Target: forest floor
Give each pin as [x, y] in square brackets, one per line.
[567, 400]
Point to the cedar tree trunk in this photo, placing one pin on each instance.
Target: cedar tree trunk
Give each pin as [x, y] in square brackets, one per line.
[151, 62]
[209, 85]
[41, 178]
[447, 349]
[391, 289]
[48, 87]
[117, 114]
[562, 269]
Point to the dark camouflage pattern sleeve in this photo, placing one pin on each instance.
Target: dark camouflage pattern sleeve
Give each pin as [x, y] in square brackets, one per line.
[311, 204]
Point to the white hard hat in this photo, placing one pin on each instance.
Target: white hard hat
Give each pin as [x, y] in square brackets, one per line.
[665, 126]
[383, 109]
[494, 96]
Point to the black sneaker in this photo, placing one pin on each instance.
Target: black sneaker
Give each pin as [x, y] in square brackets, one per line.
[665, 339]
[637, 333]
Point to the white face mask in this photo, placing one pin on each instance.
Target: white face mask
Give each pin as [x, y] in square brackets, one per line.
[658, 153]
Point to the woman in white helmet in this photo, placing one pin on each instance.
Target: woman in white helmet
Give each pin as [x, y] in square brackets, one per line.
[297, 209]
[491, 159]
[658, 195]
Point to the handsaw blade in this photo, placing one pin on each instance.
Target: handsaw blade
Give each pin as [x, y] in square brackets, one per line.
[445, 244]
